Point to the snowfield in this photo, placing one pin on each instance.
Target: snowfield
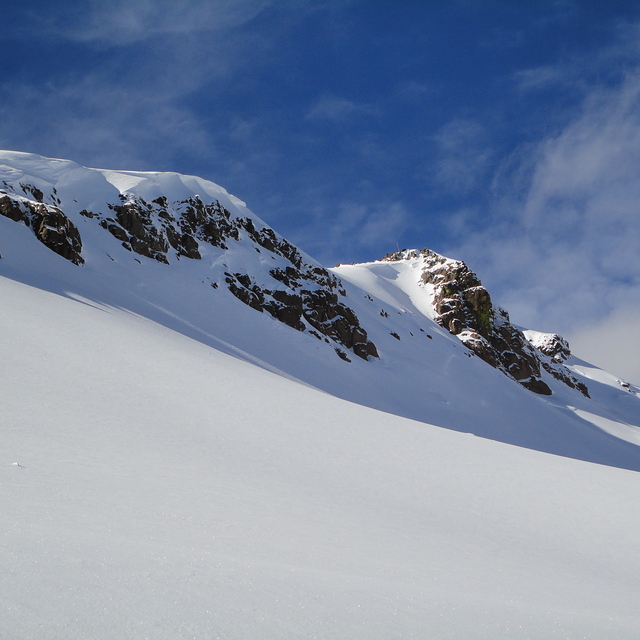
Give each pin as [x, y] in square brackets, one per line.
[175, 464]
[165, 489]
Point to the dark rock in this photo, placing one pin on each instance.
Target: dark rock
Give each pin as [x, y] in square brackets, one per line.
[552, 345]
[316, 310]
[57, 232]
[30, 190]
[537, 386]
[49, 224]
[15, 210]
[365, 349]
[245, 295]
[308, 302]
[115, 229]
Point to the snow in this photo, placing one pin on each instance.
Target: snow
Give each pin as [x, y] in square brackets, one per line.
[168, 490]
[178, 465]
[427, 375]
[592, 372]
[616, 428]
[396, 283]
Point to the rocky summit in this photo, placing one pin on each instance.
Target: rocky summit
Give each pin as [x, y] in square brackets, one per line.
[463, 307]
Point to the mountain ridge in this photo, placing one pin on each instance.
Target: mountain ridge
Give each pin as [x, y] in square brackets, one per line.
[181, 250]
[155, 228]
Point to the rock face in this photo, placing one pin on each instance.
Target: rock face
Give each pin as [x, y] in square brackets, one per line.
[50, 225]
[556, 349]
[463, 307]
[318, 311]
[151, 229]
[301, 295]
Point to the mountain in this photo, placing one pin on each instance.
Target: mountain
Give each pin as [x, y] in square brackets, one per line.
[208, 434]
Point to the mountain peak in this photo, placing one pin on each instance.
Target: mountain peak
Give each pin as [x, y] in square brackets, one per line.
[463, 306]
[167, 217]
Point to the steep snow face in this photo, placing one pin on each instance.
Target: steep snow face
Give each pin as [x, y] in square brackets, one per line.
[425, 286]
[77, 187]
[182, 252]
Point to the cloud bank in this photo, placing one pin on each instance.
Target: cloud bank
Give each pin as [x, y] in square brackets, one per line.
[562, 246]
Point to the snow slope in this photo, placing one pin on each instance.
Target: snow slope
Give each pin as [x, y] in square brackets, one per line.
[165, 489]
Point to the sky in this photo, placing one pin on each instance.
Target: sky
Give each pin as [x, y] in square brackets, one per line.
[505, 134]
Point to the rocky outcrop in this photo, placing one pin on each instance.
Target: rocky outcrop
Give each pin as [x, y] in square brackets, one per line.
[555, 350]
[464, 307]
[50, 225]
[300, 295]
[551, 344]
[152, 229]
[316, 308]
[303, 296]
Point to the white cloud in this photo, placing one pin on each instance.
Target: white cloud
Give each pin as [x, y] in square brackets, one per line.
[382, 224]
[134, 109]
[613, 343]
[581, 72]
[347, 227]
[412, 91]
[540, 78]
[98, 123]
[463, 155]
[562, 250]
[366, 226]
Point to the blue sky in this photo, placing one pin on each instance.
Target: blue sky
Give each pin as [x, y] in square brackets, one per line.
[506, 134]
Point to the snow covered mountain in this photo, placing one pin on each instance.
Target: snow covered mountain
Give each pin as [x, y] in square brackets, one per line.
[171, 469]
[400, 335]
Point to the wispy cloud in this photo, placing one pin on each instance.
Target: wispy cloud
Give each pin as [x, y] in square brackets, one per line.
[563, 244]
[134, 108]
[339, 229]
[580, 72]
[98, 122]
[540, 78]
[337, 109]
[124, 22]
[612, 342]
[412, 91]
[462, 157]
